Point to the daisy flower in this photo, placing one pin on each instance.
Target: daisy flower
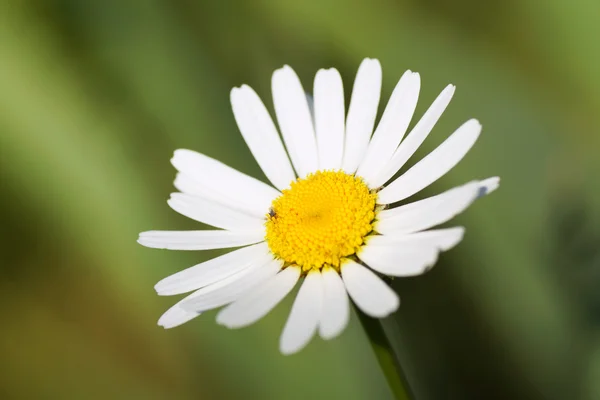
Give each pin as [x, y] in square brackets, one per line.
[326, 219]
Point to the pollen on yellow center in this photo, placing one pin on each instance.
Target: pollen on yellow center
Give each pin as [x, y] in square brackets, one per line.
[320, 219]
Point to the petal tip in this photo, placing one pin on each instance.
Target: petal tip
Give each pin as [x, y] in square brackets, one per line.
[288, 349]
[234, 94]
[220, 320]
[282, 74]
[394, 306]
[488, 185]
[329, 335]
[287, 352]
[475, 122]
[371, 63]
[180, 152]
[162, 287]
[283, 69]
[227, 324]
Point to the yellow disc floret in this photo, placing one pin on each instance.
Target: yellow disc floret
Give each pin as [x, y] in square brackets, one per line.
[320, 219]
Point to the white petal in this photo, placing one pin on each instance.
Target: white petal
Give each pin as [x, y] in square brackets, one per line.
[416, 136]
[428, 212]
[261, 136]
[225, 181]
[199, 240]
[214, 270]
[295, 121]
[187, 185]
[336, 310]
[305, 315]
[391, 128]
[441, 239]
[217, 294]
[372, 295]
[397, 260]
[361, 113]
[488, 185]
[231, 288]
[176, 315]
[259, 301]
[433, 166]
[329, 118]
[215, 214]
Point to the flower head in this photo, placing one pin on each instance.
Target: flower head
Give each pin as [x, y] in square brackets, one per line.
[326, 218]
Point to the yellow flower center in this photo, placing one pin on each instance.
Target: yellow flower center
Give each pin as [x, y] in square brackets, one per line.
[320, 219]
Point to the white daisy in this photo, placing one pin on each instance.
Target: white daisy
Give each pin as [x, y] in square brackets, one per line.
[326, 217]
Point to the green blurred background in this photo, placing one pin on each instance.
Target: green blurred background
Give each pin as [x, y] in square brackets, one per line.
[96, 95]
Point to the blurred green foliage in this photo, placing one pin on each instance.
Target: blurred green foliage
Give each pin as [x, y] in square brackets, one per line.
[95, 96]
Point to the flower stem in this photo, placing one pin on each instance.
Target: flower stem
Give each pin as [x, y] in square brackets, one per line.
[387, 359]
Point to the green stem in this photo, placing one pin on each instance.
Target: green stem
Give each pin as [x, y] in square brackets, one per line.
[385, 355]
